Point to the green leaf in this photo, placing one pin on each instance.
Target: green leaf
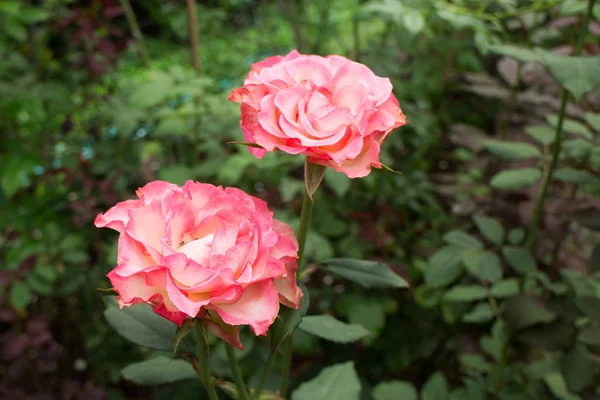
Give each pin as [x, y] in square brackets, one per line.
[485, 265]
[443, 267]
[159, 370]
[31, 15]
[369, 274]
[574, 176]
[288, 320]
[338, 182]
[338, 382]
[519, 259]
[20, 295]
[490, 228]
[523, 311]
[578, 368]
[557, 385]
[462, 239]
[313, 175]
[474, 362]
[256, 146]
[436, 388]
[590, 336]
[590, 306]
[394, 390]
[465, 293]
[516, 236]
[579, 75]
[180, 334]
[505, 288]
[140, 325]
[481, 313]
[327, 327]
[515, 179]
[368, 312]
[542, 133]
[593, 120]
[570, 126]
[511, 151]
[577, 148]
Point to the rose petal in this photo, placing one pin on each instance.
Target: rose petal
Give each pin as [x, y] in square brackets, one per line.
[258, 307]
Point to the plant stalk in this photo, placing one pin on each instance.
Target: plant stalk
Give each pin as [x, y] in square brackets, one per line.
[135, 31]
[305, 217]
[237, 373]
[264, 376]
[539, 207]
[193, 26]
[201, 366]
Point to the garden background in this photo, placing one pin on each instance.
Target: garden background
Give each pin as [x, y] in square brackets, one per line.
[99, 97]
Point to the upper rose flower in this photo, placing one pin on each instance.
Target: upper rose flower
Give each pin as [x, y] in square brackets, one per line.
[204, 251]
[334, 110]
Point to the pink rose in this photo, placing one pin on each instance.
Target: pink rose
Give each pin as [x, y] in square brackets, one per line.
[204, 251]
[331, 109]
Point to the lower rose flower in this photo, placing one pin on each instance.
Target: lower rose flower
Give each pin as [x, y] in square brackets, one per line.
[201, 251]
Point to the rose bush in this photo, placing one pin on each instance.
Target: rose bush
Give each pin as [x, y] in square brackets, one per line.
[331, 109]
[204, 251]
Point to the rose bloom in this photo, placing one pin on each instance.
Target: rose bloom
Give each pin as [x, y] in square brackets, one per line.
[204, 251]
[331, 109]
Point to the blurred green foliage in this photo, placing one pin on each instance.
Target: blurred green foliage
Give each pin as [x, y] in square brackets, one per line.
[84, 121]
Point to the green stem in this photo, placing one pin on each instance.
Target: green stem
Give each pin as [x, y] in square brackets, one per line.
[265, 375]
[202, 368]
[287, 366]
[539, 207]
[237, 373]
[305, 217]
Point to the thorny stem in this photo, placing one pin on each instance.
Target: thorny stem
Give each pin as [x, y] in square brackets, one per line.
[539, 207]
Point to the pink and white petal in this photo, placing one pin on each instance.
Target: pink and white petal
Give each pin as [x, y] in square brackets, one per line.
[186, 271]
[117, 217]
[199, 193]
[155, 190]
[133, 257]
[287, 287]
[313, 69]
[286, 248]
[228, 295]
[287, 102]
[179, 221]
[352, 96]
[180, 299]
[267, 116]
[147, 225]
[345, 150]
[229, 333]
[132, 289]
[162, 307]
[337, 62]
[257, 307]
[361, 165]
[198, 250]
